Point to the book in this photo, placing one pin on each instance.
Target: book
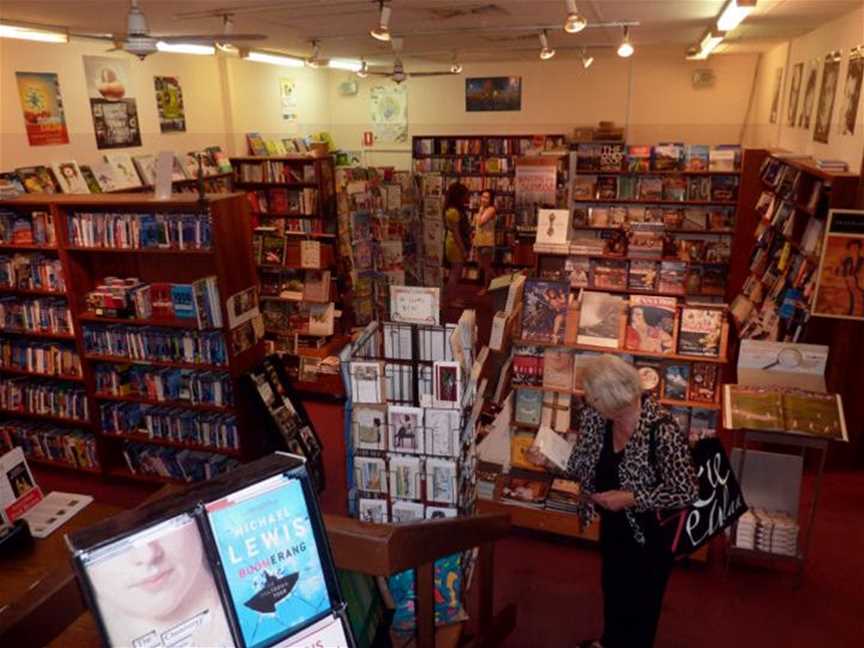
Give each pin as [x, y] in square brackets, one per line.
[704, 382]
[668, 156]
[607, 187]
[220, 160]
[700, 331]
[578, 270]
[651, 324]
[699, 188]
[610, 274]
[90, 179]
[599, 319]
[69, 177]
[524, 491]
[553, 226]
[646, 240]
[698, 157]
[272, 250]
[714, 279]
[520, 442]
[791, 410]
[584, 187]
[722, 160]
[123, 169]
[627, 187]
[528, 407]
[146, 167]
[724, 188]
[557, 369]
[695, 218]
[104, 174]
[36, 179]
[676, 381]
[673, 276]
[639, 159]
[553, 447]
[650, 188]
[316, 287]
[544, 310]
[643, 275]
[257, 147]
[675, 188]
[598, 216]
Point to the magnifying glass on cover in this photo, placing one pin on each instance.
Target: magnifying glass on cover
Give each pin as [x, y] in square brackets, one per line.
[787, 358]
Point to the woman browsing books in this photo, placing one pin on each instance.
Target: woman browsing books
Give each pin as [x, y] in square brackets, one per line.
[484, 235]
[632, 461]
[455, 223]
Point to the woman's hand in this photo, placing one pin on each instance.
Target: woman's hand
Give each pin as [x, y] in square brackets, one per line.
[614, 500]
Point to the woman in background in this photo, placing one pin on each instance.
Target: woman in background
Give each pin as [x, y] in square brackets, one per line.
[456, 225]
[484, 235]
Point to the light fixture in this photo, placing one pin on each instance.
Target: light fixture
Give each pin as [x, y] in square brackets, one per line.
[382, 31]
[274, 59]
[363, 72]
[33, 33]
[710, 41]
[587, 59]
[455, 66]
[625, 49]
[733, 13]
[546, 52]
[315, 61]
[185, 48]
[351, 65]
[574, 23]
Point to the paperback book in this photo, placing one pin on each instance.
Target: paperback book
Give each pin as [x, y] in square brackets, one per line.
[700, 331]
[599, 319]
[651, 324]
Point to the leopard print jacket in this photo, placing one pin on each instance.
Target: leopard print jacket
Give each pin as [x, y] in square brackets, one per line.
[667, 482]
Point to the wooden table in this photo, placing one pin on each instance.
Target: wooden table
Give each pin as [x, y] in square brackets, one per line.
[33, 574]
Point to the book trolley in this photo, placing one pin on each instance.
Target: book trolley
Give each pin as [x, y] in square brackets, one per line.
[73, 422]
[242, 560]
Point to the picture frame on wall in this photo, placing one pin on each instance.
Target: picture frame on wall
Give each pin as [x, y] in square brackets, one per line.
[840, 278]
[493, 94]
[827, 93]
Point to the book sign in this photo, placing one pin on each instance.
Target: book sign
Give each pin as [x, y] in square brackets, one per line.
[413, 305]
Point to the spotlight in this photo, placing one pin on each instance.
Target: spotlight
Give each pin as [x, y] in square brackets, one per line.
[456, 66]
[587, 60]
[546, 52]
[363, 72]
[733, 13]
[625, 49]
[382, 31]
[574, 23]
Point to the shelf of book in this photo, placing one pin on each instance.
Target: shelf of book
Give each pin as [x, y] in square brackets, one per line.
[36, 374]
[45, 335]
[579, 392]
[64, 465]
[132, 398]
[30, 292]
[168, 443]
[654, 201]
[44, 417]
[623, 351]
[218, 222]
[657, 172]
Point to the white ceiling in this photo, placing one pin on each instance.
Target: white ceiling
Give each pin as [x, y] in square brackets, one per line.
[342, 25]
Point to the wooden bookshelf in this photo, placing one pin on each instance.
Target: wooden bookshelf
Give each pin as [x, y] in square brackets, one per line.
[228, 259]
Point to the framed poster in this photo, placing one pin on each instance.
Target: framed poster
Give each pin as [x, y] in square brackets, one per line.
[840, 280]
[169, 102]
[852, 91]
[484, 94]
[806, 114]
[42, 106]
[115, 115]
[794, 93]
[775, 102]
[830, 79]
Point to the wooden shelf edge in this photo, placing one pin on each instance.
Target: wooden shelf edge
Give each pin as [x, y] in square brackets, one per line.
[202, 407]
[169, 443]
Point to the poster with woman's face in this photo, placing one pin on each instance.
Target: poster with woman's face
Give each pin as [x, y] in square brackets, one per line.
[830, 76]
[852, 92]
[809, 96]
[794, 93]
[156, 589]
[775, 101]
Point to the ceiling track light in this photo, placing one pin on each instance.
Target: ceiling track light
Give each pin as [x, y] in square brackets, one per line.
[363, 72]
[455, 66]
[22, 31]
[587, 59]
[734, 12]
[273, 59]
[626, 49]
[546, 52]
[382, 31]
[575, 22]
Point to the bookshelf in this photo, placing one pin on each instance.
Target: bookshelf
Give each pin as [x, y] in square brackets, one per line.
[292, 202]
[487, 162]
[156, 349]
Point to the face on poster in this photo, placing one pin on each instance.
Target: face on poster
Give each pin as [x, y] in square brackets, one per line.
[852, 91]
[809, 96]
[42, 106]
[794, 92]
[115, 113]
[830, 76]
[169, 102]
[775, 102]
[840, 283]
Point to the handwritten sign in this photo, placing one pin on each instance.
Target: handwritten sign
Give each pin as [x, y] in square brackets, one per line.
[719, 504]
[413, 305]
[535, 181]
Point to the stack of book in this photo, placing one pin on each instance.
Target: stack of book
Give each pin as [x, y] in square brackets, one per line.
[564, 496]
[524, 489]
[44, 397]
[834, 166]
[36, 315]
[164, 384]
[768, 531]
[170, 424]
[140, 231]
[47, 358]
[43, 441]
[181, 465]
[154, 343]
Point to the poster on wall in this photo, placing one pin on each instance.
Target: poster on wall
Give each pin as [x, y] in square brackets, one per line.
[840, 281]
[288, 99]
[809, 95]
[169, 103]
[775, 102]
[536, 181]
[852, 91]
[830, 78]
[42, 106]
[115, 115]
[388, 107]
[794, 93]
[483, 94]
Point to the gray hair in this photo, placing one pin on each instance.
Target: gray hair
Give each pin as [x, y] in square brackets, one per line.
[610, 383]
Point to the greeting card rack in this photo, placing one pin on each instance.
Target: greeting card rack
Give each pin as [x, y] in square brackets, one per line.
[292, 218]
[99, 236]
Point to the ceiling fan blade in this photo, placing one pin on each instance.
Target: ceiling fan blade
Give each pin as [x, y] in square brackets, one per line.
[387, 74]
[206, 38]
[429, 74]
[103, 36]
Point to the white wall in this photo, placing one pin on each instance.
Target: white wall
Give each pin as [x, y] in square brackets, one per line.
[651, 94]
[199, 79]
[843, 34]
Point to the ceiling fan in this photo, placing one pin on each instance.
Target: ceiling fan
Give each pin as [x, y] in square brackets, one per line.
[138, 41]
[398, 73]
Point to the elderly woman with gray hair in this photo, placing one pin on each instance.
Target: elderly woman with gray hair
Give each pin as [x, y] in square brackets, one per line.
[632, 460]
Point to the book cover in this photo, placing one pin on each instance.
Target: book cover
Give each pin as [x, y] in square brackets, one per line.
[700, 331]
[599, 319]
[557, 369]
[698, 157]
[673, 277]
[257, 147]
[270, 559]
[146, 167]
[650, 188]
[642, 275]
[316, 287]
[69, 177]
[721, 160]
[609, 274]
[703, 423]
[104, 174]
[123, 169]
[524, 491]
[699, 188]
[676, 380]
[584, 187]
[721, 218]
[273, 250]
[598, 216]
[714, 279]
[704, 382]
[607, 187]
[544, 310]
[90, 179]
[183, 301]
[553, 226]
[639, 159]
[695, 218]
[627, 186]
[675, 188]
[36, 179]
[651, 324]
[528, 406]
[578, 269]
[724, 188]
[668, 156]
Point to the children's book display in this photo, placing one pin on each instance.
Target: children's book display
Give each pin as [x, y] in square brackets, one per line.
[379, 236]
[411, 424]
[240, 561]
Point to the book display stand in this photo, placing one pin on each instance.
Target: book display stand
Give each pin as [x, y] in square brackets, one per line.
[152, 397]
